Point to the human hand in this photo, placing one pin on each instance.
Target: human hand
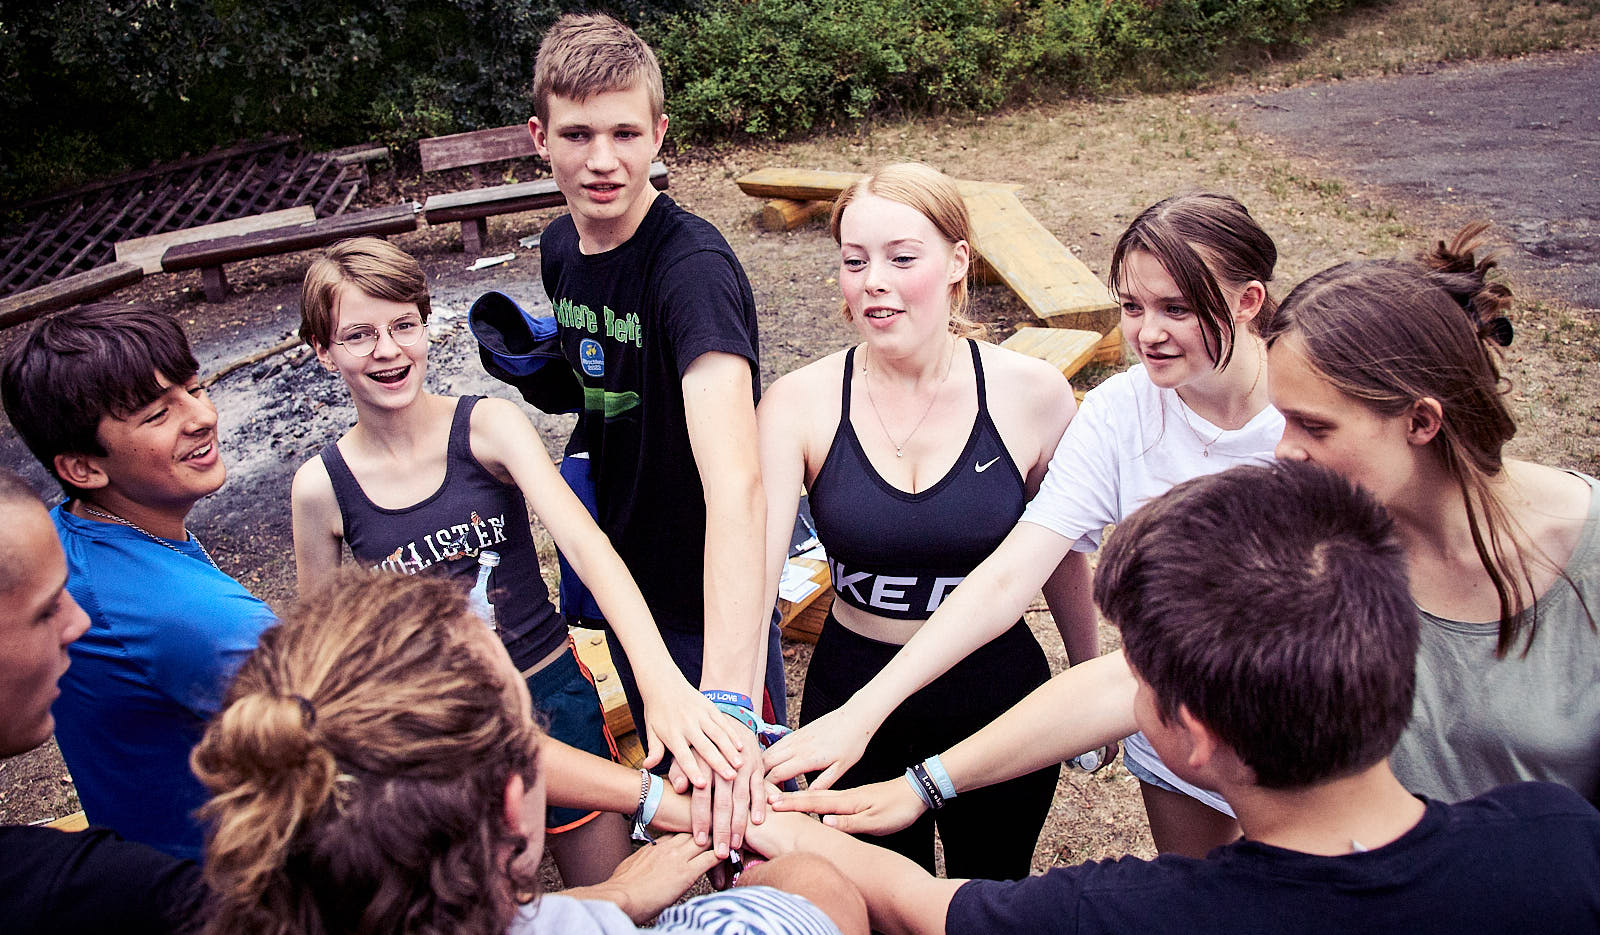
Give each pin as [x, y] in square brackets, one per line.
[685, 723]
[652, 877]
[832, 743]
[719, 814]
[877, 808]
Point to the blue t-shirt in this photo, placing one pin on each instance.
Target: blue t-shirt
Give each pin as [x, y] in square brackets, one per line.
[1520, 858]
[166, 633]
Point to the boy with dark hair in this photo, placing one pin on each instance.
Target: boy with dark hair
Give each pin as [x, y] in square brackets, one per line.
[55, 881]
[1266, 616]
[107, 397]
[658, 320]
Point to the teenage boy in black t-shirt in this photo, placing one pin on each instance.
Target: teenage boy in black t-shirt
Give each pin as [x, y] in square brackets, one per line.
[1267, 619]
[658, 320]
[54, 881]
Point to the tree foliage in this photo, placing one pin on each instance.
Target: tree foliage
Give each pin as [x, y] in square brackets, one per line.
[88, 88]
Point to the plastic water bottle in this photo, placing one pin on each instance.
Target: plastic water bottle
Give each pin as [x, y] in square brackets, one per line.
[479, 598]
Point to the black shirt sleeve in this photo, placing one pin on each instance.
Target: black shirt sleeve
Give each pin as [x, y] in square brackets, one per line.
[95, 883]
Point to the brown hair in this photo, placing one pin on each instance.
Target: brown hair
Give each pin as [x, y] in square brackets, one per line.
[585, 54]
[359, 770]
[933, 195]
[1388, 333]
[1200, 238]
[79, 366]
[1272, 603]
[372, 265]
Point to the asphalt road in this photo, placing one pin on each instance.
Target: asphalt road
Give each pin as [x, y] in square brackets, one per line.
[1517, 142]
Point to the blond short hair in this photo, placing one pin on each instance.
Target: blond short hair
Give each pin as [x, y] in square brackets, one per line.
[372, 265]
[585, 54]
[933, 195]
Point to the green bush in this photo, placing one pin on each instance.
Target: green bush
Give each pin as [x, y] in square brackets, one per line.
[90, 87]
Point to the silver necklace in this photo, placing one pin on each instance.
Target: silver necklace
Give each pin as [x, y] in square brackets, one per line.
[148, 534]
[899, 447]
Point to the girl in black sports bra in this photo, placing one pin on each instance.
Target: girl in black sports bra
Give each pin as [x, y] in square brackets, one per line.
[916, 473]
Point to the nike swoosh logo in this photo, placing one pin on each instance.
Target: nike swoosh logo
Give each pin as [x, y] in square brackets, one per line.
[985, 466]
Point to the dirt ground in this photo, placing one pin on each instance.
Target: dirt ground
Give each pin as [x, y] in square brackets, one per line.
[1086, 168]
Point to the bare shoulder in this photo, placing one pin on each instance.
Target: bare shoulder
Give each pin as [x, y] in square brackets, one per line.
[1028, 383]
[311, 493]
[494, 411]
[803, 384]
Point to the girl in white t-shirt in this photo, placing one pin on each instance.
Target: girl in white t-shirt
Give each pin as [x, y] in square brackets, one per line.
[1191, 273]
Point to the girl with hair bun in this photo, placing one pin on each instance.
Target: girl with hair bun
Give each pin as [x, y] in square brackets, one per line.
[376, 769]
[1384, 371]
[1192, 274]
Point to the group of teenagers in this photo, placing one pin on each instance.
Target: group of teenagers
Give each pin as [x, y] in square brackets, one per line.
[1359, 673]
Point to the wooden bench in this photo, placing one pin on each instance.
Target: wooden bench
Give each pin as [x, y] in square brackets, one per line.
[595, 654]
[147, 251]
[208, 256]
[67, 292]
[1066, 349]
[1010, 246]
[475, 206]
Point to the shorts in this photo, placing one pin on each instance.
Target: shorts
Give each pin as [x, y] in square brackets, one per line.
[565, 698]
[1145, 764]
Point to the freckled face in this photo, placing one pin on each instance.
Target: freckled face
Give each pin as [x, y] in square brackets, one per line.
[897, 271]
[1324, 426]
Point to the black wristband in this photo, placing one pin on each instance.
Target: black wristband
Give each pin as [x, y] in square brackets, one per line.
[919, 772]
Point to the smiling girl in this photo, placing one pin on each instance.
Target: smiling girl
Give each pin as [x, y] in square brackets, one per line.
[919, 446]
[427, 483]
[1191, 273]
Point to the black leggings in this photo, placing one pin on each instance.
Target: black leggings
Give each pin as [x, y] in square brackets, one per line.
[987, 833]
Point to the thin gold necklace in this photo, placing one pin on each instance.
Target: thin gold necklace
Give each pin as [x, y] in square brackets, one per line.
[899, 447]
[1183, 410]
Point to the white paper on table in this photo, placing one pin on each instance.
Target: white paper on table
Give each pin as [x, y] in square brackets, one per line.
[816, 552]
[796, 583]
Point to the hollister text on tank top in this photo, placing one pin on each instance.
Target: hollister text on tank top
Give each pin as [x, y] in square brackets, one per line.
[899, 554]
[444, 532]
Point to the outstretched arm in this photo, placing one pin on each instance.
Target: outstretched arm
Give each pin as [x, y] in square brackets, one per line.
[719, 405]
[678, 718]
[1084, 707]
[978, 610]
[901, 897]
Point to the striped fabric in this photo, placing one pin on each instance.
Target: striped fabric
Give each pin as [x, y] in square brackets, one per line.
[748, 910]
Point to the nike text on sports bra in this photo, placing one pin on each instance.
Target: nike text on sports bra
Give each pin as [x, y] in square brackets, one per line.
[918, 595]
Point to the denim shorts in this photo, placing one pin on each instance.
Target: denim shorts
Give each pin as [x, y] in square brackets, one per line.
[565, 698]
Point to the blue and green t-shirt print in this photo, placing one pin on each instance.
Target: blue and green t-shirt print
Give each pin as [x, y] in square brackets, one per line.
[619, 329]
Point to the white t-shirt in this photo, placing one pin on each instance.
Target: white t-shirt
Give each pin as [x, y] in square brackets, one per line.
[748, 910]
[1132, 441]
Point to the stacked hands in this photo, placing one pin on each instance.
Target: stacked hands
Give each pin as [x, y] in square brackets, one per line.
[732, 782]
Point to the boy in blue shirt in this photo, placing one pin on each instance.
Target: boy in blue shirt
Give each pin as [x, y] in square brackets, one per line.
[108, 398]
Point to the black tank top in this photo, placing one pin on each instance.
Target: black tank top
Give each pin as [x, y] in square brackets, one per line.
[898, 554]
[443, 534]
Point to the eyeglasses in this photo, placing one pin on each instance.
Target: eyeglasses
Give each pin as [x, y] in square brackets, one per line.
[364, 340]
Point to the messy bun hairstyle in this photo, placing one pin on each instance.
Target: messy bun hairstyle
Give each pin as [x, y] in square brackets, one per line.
[359, 769]
[1388, 333]
[933, 195]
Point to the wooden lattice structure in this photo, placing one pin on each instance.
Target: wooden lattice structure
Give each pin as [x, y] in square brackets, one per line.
[76, 231]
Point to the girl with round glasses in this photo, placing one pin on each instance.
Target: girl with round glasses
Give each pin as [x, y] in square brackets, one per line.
[427, 483]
